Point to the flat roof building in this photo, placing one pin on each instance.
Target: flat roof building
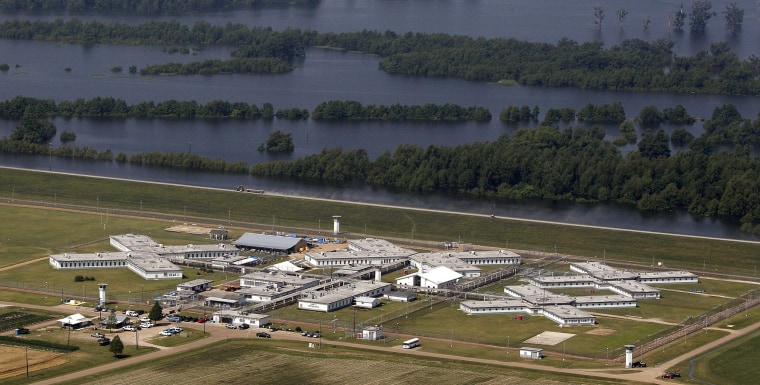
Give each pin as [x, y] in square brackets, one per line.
[427, 261]
[562, 281]
[602, 271]
[566, 315]
[273, 279]
[272, 243]
[634, 289]
[350, 258]
[665, 277]
[142, 255]
[342, 296]
[494, 306]
[604, 301]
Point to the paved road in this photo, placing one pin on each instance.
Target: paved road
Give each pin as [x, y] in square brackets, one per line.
[218, 333]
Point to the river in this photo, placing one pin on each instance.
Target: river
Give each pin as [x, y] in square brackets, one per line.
[326, 75]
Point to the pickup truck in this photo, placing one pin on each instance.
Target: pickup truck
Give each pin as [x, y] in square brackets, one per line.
[129, 328]
[97, 335]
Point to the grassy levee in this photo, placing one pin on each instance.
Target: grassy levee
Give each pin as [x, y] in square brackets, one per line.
[285, 362]
[264, 211]
[732, 364]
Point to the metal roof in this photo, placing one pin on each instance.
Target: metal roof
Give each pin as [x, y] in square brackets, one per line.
[263, 241]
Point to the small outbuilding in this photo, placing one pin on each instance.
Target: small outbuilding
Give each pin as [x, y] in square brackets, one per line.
[533, 353]
[366, 302]
[75, 321]
[372, 333]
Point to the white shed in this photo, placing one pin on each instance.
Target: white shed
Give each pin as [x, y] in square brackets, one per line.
[367, 302]
[534, 353]
[372, 333]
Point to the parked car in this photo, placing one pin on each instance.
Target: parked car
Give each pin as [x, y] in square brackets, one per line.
[244, 326]
[263, 335]
[166, 332]
[639, 364]
[146, 325]
[231, 326]
[305, 333]
[317, 335]
[144, 319]
[671, 375]
[174, 318]
[176, 329]
[129, 328]
[97, 335]
[104, 341]
[131, 313]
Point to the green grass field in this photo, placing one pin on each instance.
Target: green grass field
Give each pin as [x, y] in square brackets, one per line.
[282, 362]
[734, 363]
[270, 212]
[34, 233]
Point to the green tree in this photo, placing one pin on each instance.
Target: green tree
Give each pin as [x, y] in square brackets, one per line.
[734, 17]
[598, 15]
[111, 321]
[33, 128]
[279, 141]
[679, 19]
[701, 13]
[681, 137]
[156, 312]
[650, 116]
[116, 347]
[621, 14]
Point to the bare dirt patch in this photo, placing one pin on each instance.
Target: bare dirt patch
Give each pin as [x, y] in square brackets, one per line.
[601, 331]
[13, 360]
[190, 229]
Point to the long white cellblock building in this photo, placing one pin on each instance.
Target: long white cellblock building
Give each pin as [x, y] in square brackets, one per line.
[142, 255]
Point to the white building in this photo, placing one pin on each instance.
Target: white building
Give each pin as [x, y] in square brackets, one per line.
[142, 255]
[367, 302]
[494, 306]
[342, 296]
[634, 289]
[566, 315]
[665, 277]
[533, 353]
[440, 277]
[604, 301]
[238, 318]
[602, 271]
[562, 281]
[401, 296]
[274, 279]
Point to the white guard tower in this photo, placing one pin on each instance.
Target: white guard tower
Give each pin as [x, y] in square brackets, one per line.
[336, 224]
[629, 355]
[102, 294]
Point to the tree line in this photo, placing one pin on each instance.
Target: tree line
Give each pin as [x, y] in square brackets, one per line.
[144, 7]
[109, 107]
[715, 174]
[353, 110]
[633, 65]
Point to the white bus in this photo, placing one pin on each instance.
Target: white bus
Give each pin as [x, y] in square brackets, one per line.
[408, 344]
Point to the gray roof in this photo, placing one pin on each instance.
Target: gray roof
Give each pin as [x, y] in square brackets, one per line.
[263, 241]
